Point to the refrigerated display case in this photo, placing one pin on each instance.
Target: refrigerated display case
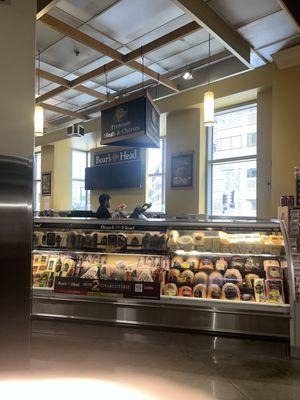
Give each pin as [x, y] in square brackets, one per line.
[232, 277]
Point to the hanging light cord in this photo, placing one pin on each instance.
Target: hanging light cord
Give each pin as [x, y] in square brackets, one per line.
[39, 64]
[106, 89]
[209, 61]
[143, 66]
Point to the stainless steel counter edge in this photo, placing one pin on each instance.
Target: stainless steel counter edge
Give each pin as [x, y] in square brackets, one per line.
[201, 304]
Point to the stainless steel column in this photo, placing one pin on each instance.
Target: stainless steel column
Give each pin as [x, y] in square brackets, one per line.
[15, 260]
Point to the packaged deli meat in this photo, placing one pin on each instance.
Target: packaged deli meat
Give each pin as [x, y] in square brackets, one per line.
[200, 291]
[233, 275]
[185, 291]
[170, 289]
[230, 291]
[274, 291]
[214, 292]
[259, 290]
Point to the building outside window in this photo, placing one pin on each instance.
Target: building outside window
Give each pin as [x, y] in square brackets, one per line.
[232, 163]
[80, 196]
[156, 177]
[37, 182]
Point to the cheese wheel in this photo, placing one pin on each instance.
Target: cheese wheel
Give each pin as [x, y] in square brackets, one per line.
[186, 243]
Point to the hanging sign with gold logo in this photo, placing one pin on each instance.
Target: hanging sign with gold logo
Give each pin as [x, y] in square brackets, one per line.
[131, 121]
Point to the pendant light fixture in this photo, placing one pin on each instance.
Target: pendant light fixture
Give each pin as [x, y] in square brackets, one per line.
[39, 111]
[209, 101]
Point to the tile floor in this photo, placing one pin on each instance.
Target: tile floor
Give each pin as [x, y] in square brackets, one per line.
[140, 364]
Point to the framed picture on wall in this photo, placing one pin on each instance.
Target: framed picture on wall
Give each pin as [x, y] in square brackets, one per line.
[46, 183]
[182, 170]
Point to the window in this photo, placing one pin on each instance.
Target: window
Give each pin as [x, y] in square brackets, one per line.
[156, 174]
[37, 182]
[251, 139]
[80, 196]
[232, 163]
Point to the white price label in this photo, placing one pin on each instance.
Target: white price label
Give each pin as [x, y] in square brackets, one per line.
[138, 288]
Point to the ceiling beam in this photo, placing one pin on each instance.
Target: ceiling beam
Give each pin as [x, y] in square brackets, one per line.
[206, 17]
[81, 37]
[171, 37]
[67, 84]
[101, 48]
[44, 6]
[95, 72]
[151, 46]
[177, 34]
[53, 78]
[50, 94]
[292, 7]
[177, 74]
[64, 111]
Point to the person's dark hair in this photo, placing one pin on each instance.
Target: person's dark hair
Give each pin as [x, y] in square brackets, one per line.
[103, 198]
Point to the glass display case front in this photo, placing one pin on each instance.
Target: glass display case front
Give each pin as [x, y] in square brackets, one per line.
[227, 262]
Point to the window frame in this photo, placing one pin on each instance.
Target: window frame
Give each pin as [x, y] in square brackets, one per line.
[162, 174]
[210, 162]
[87, 164]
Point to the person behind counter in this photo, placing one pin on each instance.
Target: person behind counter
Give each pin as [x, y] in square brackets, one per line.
[103, 209]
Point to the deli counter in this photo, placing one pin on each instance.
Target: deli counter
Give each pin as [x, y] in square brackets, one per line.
[227, 277]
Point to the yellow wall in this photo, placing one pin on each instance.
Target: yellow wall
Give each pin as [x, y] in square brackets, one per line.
[285, 131]
[183, 135]
[17, 52]
[62, 176]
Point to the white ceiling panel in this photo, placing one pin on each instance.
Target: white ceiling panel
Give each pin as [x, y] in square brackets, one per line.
[67, 18]
[67, 105]
[160, 31]
[67, 95]
[93, 65]
[274, 48]
[127, 81]
[48, 115]
[191, 55]
[129, 19]
[82, 99]
[84, 9]
[240, 12]
[149, 63]
[63, 56]
[89, 30]
[268, 30]
[168, 51]
[197, 37]
[45, 36]
[46, 87]
[179, 46]
[53, 102]
[113, 75]
[255, 59]
[51, 68]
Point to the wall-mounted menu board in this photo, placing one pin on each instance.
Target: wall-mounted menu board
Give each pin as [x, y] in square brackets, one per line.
[115, 176]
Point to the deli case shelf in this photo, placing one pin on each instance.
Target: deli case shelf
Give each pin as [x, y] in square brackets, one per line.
[229, 277]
